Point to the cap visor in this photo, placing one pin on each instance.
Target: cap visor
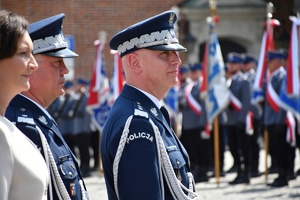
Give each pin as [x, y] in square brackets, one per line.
[168, 47]
[63, 53]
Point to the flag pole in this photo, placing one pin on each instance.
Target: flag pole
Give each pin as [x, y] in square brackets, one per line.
[102, 38]
[213, 10]
[266, 134]
[216, 150]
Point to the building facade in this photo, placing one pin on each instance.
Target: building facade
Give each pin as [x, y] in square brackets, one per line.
[240, 27]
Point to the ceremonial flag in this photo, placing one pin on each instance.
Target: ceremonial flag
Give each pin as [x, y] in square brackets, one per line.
[204, 87]
[118, 75]
[99, 92]
[267, 44]
[292, 67]
[290, 103]
[217, 98]
[289, 94]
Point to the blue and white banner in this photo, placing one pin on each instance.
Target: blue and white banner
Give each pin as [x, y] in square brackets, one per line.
[218, 93]
[99, 91]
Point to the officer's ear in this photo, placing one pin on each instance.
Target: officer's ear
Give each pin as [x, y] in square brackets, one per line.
[133, 62]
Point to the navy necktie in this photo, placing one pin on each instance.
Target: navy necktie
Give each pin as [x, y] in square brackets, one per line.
[165, 114]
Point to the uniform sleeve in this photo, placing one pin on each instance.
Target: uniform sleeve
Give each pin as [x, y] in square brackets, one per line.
[138, 176]
[31, 132]
[246, 100]
[281, 115]
[7, 166]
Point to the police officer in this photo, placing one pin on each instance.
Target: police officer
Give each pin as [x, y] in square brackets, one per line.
[250, 63]
[194, 121]
[238, 136]
[82, 125]
[64, 115]
[275, 119]
[58, 104]
[142, 157]
[46, 84]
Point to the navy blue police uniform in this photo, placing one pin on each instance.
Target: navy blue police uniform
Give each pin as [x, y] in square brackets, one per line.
[238, 139]
[27, 115]
[257, 118]
[275, 122]
[82, 126]
[139, 171]
[194, 124]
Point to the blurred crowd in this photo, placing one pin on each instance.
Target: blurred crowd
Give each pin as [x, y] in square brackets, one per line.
[75, 124]
[242, 125]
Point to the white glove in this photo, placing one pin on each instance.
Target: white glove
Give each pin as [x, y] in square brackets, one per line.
[204, 135]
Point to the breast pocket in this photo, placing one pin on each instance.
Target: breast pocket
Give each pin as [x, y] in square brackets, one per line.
[70, 177]
[176, 157]
[178, 164]
[67, 170]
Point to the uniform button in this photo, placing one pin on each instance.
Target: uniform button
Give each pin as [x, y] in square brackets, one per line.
[70, 174]
[178, 163]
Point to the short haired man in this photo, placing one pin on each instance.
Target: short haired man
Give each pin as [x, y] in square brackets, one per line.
[141, 155]
[238, 136]
[28, 109]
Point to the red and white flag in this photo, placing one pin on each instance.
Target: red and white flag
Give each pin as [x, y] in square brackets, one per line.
[99, 91]
[293, 59]
[118, 75]
[267, 44]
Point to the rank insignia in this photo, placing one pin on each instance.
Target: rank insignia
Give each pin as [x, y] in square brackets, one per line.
[63, 169]
[154, 111]
[43, 119]
[171, 19]
[72, 189]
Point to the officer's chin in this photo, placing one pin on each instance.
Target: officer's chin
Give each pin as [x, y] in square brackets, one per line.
[63, 91]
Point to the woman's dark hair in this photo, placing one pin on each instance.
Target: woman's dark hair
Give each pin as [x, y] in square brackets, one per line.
[12, 28]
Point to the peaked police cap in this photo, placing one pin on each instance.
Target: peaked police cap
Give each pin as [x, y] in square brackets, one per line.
[48, 39]
[156, 33]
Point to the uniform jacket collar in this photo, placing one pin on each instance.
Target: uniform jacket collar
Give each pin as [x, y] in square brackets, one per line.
[38, 114]
[138, 96]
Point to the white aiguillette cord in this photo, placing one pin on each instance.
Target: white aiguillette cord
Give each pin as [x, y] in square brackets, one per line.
[175, 186]
[60, 188]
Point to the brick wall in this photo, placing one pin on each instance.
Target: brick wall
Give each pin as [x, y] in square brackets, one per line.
[85, 18]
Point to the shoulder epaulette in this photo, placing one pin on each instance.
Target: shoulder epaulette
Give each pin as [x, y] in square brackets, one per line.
[24, 116]
[139, 110]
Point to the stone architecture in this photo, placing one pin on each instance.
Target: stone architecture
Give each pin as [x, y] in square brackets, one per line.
[240, 26]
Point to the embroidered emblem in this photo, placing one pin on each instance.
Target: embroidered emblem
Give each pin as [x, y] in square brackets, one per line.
[62, 169]
[139, 135]
[140, 113]
[43, 119]
[72, 189]
[24, 119]
[139, 106]
[154, 111]
[171, 19]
